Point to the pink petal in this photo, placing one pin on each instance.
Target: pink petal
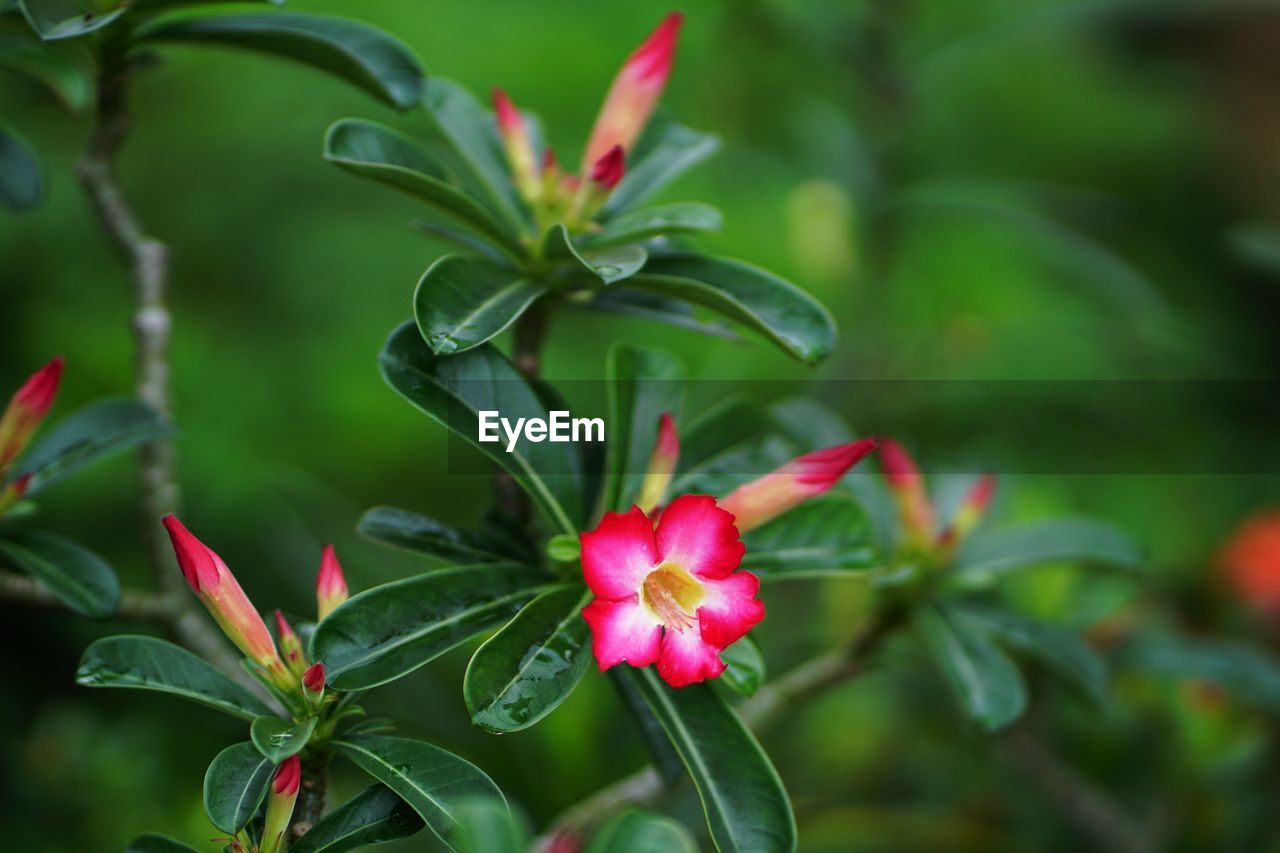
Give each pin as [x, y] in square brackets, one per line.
[618, 554]
[622, 631]
[699, 536]
[686, 659]
[730, 609]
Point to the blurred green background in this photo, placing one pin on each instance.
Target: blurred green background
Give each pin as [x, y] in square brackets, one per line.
[994, 189]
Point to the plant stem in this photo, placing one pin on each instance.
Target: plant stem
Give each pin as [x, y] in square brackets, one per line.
[311, 795]
[530, 335]
[135, 605]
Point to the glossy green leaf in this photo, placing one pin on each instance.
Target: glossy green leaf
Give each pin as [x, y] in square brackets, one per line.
[148, 663]
[635, 831]
[154, 842]
[1075, 540]
[684, 217]
[986, 682]
[78, 577]
[61, 71]
[375, 151]
[642, 384]
[61, 19]
[1248, 671]
[452, 390]
[459, 238]
[364, 56]
[664, 152]
[410, 531]
[650, 306]
[21, 184]
[433, 781]
[662, 755]
[374, 815]
[88, 435]
[744, 667]
[523, 672]
[742, 797]
[716, 433]
[463, 301]
[759, 300]
[487, 826]
[234, 786]
[609, 264]
[277, 739]
[829, 535]
[386, 632]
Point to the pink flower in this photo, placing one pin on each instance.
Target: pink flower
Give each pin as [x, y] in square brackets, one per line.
[662, 465]
[519, 148]
[671, 595]
[27, 409]
[280, 801]
[794, 483]
[331, 586]
[907, 484]
[635, 92]
[290, 645]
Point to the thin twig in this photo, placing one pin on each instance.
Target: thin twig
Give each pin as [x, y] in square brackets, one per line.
[134, 605]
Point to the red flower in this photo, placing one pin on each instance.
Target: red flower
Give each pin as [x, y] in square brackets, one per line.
[671, 595]
[26, 409]
[794, 483]
[1250, 562]
[331, 586]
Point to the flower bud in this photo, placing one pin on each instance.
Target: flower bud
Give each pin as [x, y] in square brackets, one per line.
[12, 492]
[662, 465]
[607, 172]
[1250, 562]
[290, 646]
[907, 485]
[280, 801]
[802, 478]
[215, 586]
[26, 409]
[971, 510]
[331, 586]
[635, 92]
[313, 683]
[515, 139]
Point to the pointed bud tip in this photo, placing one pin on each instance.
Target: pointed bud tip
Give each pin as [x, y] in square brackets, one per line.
[508, 116]
[313, 678]
[668, 437]
[654, 56]
[899, 468]
[191, 553]
[288, 777]
[981, 493]
[609, 169]
[283, 628]
[38, 391]
[825, 467]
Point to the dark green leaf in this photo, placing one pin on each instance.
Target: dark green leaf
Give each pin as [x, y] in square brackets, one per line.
[487, 826]
[373, 725]
[459, 238]
[523, 672]
[87, 435]
[374, 815]
[61, 19]
[986, 682]
[21, 184]
[745, 804]
[154, 842]
[452, 390]
[1060, 540]
[1248, 671]
[662, 754]
[720, 431]
[147, 663]
[78, 577]
[277, 739]
[401, 528]
[635, 831]
[463, 301]
[431, 780]
[829, 535]
[234, 786]
[364, 56]
[62, 72]
[609, 264]
[664, 152]
[642, 383]
[390, 630]
[761, 301]
[680, 218]
[744, 667]
[649, 306]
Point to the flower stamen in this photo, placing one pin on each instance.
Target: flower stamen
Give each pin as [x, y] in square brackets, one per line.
[673, 595]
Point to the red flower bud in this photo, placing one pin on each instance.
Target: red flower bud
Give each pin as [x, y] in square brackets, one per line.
[907, 484]
[794, 483]
[1250, 562]
[313, 678]
[26, 409]
[662, 465]
[290, 646]
[288, 777]
[331, 586]
[519, 148]
[971, 510]
[280, 802]
[609, 169]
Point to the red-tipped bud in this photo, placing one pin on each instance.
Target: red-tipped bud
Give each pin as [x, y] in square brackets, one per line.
[662, 465]
[609, 169]
[519, 148]
[290, 646]
[549, 162]
[915, 511]
[794, 483]
[509, 120]
[280, 802]
[331, 586]
[26, 409]
[313, 678]
[635, 91]
[971, 510]
[11, 493]
[1250, 562]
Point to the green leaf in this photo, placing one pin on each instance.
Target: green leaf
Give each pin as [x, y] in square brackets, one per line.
[410, 531]
[61, 19]
[365, 56]
[154, 842]
[234, 786]
[649, 306]
[986, 682]
[635, 831]
[452, 390]
[431, 780]
[78, 577]
[742, 797]
[374, 815]
[716, 433]
[463, 301]
[375, 151]
[744, 667]
[486, 826]
[564, 548]
[829, 535]
[21, 184]
[662, 754]
[1248, 671]
[523, 672]
[459, 238]
[1061, 540]
[96, 432]
[684, 217]
[642, 384]
[1062, 651]
[759, 300]
[146, 663]
[62, 72]
[390, 630]
[609, 264]
[277, 739]
[664, 152]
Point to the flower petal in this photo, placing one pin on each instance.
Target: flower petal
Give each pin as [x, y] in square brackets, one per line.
[730, 608]
[622, 631]
[699, 536]
[618, 554]
[686, 659]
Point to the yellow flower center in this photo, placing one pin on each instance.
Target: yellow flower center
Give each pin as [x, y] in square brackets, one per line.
[673, 595]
